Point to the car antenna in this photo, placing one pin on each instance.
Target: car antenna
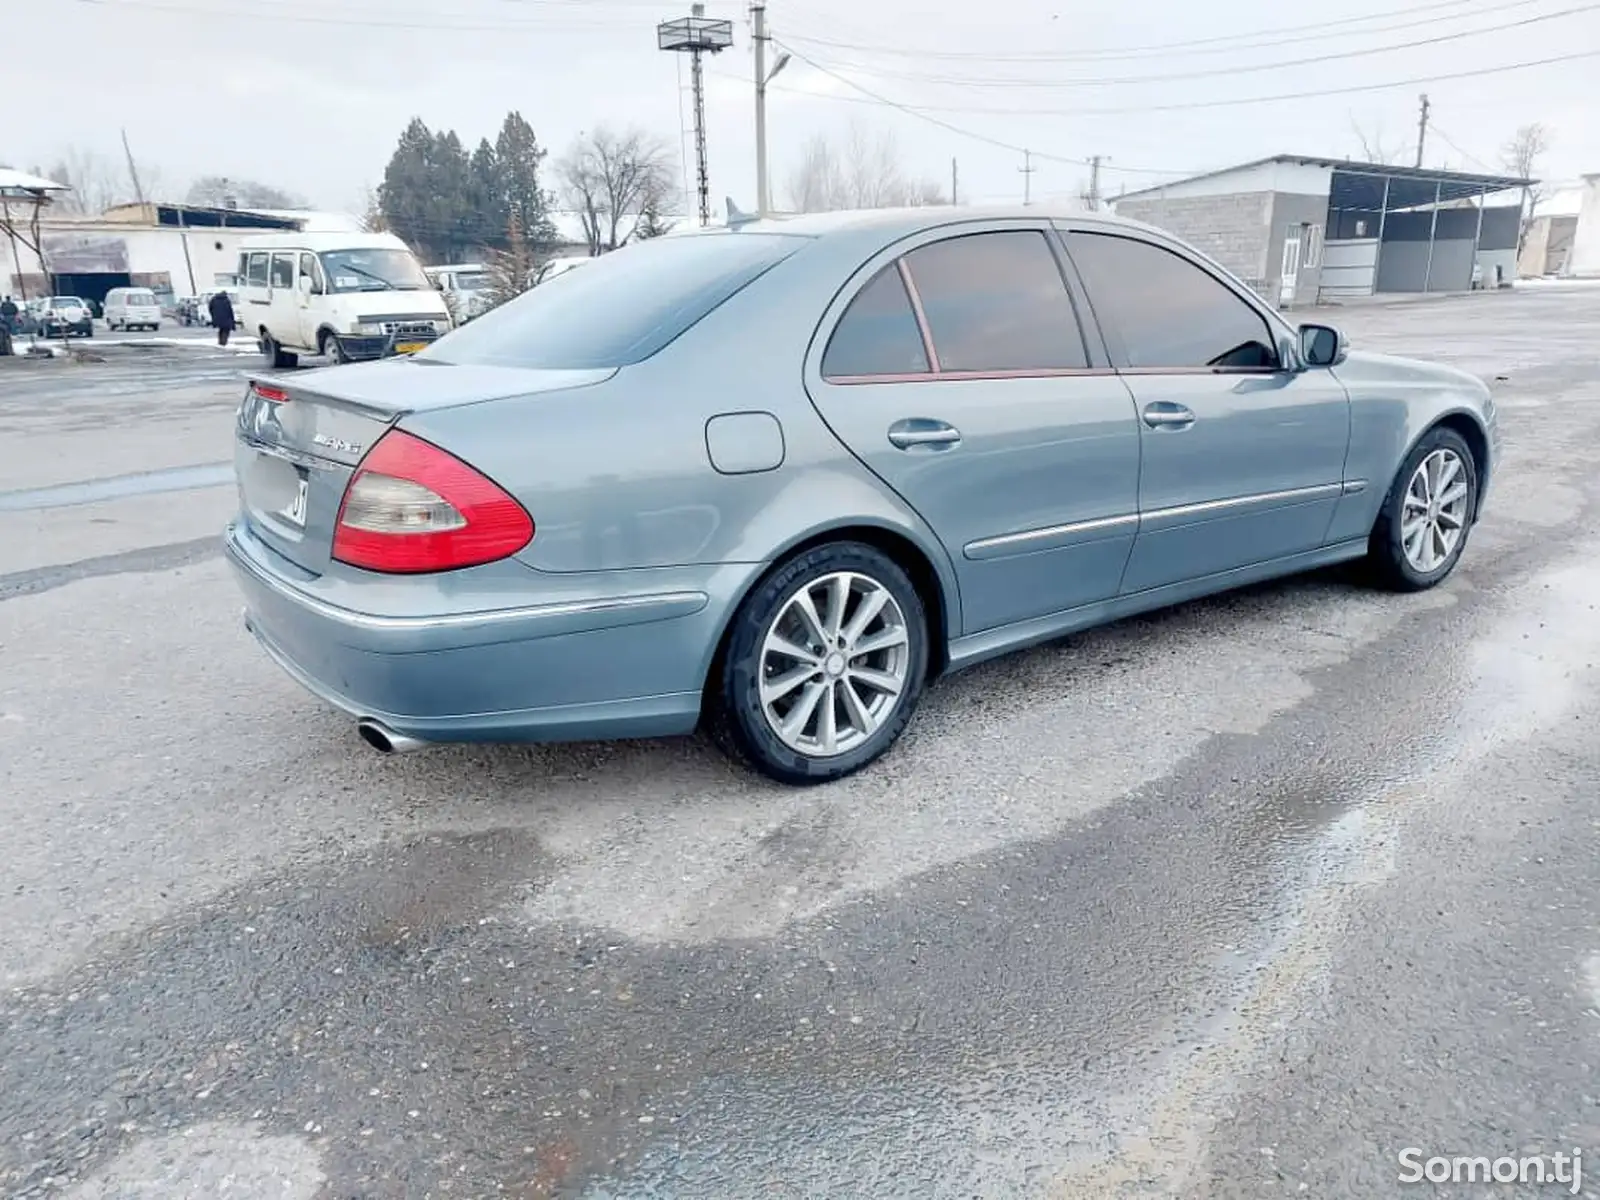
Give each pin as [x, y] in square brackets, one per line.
[736, 219]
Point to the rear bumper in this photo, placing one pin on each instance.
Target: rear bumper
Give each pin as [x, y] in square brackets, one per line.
[609, 666]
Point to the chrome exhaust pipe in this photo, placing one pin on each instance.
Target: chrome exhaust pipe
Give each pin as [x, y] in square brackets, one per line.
[385, 740]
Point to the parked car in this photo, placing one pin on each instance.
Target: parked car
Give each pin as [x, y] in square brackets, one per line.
[62, 316]
[467, 289]
[347, 296]
[132, 308]
[777, 478]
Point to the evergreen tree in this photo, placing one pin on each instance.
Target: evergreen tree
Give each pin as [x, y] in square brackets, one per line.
[520, 159]
[486, 198]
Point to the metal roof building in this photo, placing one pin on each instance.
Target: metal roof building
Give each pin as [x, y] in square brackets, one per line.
[1300, 229]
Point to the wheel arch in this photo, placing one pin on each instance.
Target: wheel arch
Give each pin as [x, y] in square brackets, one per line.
[939, 599]
[1470, 428]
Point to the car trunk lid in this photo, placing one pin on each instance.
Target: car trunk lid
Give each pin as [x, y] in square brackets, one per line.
[297, 444]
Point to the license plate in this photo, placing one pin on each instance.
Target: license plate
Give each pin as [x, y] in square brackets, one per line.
[295, 511]
[408, 347]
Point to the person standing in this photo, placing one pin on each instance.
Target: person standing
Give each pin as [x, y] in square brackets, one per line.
[8, 321]
[222, 317]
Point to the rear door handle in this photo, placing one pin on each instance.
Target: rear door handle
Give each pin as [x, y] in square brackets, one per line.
[913, 432]
[1164, 414]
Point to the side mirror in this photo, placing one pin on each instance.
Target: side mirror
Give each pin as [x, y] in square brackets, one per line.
[1322, 346]
[308, 285]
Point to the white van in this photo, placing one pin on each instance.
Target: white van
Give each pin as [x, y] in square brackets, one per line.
[466, 288]
[132, 308]
[343, 295]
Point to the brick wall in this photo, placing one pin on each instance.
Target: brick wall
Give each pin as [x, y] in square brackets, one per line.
[1234, 229]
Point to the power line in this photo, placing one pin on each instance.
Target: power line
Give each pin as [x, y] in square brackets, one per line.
[1212, 72]
[1224, 42]
[1444, 137]
[1184, 106]
[381, 20]
[870, 97]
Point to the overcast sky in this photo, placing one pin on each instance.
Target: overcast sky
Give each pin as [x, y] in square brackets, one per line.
[310, 95]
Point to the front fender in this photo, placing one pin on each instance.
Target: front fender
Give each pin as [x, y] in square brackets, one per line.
[1393, 402]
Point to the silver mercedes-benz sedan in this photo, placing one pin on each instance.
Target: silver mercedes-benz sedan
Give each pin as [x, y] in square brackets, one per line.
[777, 478]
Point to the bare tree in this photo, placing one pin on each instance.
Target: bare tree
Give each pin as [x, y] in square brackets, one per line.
[1521, 157]
[511, 271]
[866, 172]
[1375, 148]
[214, 191]
[372, 218]
[97, 182]
[617, 183]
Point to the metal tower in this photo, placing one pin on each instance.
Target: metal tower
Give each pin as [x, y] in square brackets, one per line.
[698, 35]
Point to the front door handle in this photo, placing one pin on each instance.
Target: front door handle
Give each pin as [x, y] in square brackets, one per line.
[915, 432]
[1164, 414]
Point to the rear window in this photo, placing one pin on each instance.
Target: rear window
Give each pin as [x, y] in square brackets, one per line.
[140, 298]
[621, 308]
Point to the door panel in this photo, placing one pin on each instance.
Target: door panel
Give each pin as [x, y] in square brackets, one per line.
[959, 376]
[285, 319]
[256, 291]
[1256, 476]
[1242, 461]
[1036, 503]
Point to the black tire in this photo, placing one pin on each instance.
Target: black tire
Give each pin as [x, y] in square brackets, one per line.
[1386, 556]
[330, 348]
[735, 717]
[280, 358]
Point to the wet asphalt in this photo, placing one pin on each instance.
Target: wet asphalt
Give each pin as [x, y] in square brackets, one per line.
[1240, 899]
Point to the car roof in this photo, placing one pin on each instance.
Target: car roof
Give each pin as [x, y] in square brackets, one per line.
[899, 222]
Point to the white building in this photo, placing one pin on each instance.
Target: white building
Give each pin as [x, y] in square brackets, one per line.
[175, 250]
[1584, 262]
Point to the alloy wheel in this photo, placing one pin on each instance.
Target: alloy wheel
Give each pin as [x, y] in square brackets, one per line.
[834, 664]
[1434, 510]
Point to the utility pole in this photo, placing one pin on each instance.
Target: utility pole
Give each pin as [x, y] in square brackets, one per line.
[954, 194]
[1094, 182]
[133, 171]
[1027, 169]
[1422, 128]
[758, 20]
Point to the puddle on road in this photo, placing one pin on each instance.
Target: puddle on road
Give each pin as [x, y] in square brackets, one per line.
[1519, 678]
[148, 483]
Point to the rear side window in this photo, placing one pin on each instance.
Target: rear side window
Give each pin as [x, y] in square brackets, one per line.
[621, 308]
[1168, 312]
[997, 302]
[878, 334]
[283, 270]
[256, 271]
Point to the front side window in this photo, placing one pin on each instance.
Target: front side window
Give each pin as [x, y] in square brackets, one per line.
[374, 270]
[878, 334]
[256, 270]
[308, 268]
[1168, 312]
[283, 271]
[997, 302]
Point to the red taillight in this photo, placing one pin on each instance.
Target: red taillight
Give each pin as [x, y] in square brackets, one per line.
[411, 508]
[276, 395]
